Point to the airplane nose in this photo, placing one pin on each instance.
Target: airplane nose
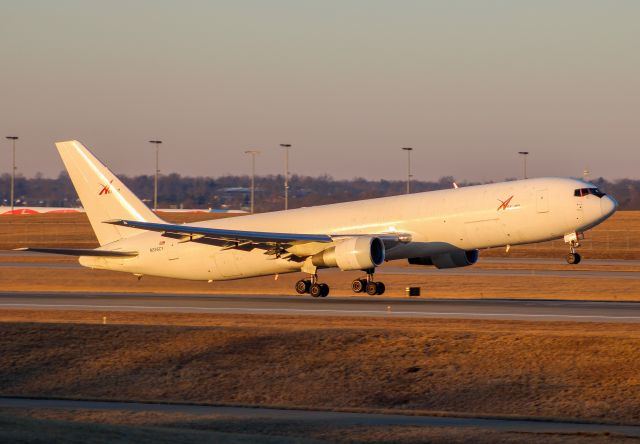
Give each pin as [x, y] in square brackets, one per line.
[608, 206]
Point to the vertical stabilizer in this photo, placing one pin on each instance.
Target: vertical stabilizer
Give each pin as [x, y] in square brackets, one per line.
[102, 194]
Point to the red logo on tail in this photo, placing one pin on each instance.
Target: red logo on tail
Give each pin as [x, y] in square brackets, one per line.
[504, 204]
[106, 189]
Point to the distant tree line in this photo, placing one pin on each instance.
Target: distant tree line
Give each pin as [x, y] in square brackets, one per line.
[232, 192]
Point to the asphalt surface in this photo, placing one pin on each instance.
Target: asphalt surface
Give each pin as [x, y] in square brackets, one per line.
[531, 310]
[330, 418]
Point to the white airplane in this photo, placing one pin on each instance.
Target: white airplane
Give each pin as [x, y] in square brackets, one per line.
[444, 229]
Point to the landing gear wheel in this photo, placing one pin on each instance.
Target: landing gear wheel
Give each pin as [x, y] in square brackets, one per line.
[380, 288]
[358, 286]
[325, 290]
[573, 258]
[302, 286]
[372, 288]
[315, 290]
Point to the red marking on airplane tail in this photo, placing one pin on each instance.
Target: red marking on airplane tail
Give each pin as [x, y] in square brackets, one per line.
[106, 189]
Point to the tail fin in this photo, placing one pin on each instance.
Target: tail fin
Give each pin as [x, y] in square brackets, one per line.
[102, 194]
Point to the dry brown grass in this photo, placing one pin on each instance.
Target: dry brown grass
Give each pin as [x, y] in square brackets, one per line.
[68, 230]
[567, 370]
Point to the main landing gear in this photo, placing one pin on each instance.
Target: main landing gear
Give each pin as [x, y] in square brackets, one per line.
[313, 287]
[368, 285]
[573, 257]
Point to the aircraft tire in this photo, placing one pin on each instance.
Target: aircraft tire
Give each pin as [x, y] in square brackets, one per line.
[380, 288]
[372, 288]
[302, 286]
[573, 258]
[358, 286]
[325, 290]
[315, 290]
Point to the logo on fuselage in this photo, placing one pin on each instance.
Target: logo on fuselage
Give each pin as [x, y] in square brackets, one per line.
[504, 203]
[106, 189]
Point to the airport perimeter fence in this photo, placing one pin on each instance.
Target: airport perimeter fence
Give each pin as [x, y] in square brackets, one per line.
[599, 243]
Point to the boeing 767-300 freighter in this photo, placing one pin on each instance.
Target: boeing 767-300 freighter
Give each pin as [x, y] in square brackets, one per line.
[444, 229]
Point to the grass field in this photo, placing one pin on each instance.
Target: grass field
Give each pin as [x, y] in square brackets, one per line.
[543, 369]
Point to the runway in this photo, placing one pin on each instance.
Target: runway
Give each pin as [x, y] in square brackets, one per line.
[342, 419]
[531, 310]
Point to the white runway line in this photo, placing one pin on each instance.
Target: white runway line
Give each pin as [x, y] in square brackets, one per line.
[295, 310]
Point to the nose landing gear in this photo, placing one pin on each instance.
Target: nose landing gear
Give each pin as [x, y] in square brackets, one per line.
[368, 285]
[573, 257]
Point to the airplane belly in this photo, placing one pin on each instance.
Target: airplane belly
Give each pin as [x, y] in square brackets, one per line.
[237, 264]
[227, 264]
[485, 233]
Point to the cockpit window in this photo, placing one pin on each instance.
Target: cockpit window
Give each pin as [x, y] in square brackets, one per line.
[586, 191]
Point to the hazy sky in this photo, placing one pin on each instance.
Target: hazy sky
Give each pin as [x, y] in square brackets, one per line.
[348, 83]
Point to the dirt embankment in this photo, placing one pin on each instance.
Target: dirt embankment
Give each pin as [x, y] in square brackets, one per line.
[587, 371]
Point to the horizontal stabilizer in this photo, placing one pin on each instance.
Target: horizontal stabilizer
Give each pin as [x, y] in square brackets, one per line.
[81, 252]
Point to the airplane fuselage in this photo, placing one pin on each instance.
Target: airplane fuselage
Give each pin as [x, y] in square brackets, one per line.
[468, 218]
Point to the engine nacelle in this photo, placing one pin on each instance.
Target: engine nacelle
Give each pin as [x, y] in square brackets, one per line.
[460, 258]
[352, 253]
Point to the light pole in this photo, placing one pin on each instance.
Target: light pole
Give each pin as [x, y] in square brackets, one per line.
[524, 155]
[253, 153]
[286, 147]
[13, 169]
[155, 183]
[408, 150]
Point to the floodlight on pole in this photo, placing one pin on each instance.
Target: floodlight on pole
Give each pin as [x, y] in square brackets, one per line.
[408, 150]
[13, 168]
[253, 154]
[286, 147]
[155, 182]
[524, 155]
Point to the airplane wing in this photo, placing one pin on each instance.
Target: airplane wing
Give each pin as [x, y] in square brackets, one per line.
[81, 252]
[190, 233]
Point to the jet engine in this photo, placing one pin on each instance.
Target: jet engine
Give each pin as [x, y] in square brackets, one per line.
[459, 258]
[352, 253]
